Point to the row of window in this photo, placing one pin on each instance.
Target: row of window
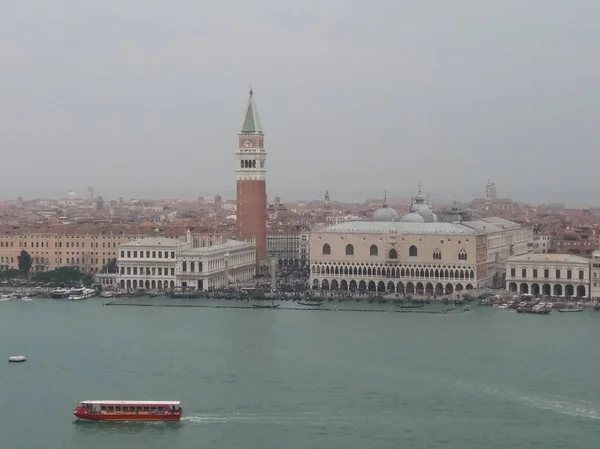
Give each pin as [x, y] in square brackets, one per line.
[124, 408]
[251, 163]
[154, 271]
[140, 254]
[534, 274]
[393, 253]
[57, 245]
[184, 267]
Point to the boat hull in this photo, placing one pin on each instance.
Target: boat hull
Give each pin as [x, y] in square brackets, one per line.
[128, 417]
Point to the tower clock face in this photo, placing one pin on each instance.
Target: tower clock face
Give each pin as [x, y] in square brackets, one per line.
[247, 143]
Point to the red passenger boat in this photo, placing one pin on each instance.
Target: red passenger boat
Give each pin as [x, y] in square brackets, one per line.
[128, 410]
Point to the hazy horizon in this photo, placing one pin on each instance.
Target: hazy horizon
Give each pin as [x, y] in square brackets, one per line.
[569, 199]
[146, 98]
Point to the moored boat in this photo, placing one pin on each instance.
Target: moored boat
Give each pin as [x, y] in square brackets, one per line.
[310, 303]
[533, 310]
[571, 309]
[60, 293]
[128, 410]
[17, 358]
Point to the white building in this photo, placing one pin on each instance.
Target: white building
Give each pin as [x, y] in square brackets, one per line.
[541, 244]
[548, 275]
[595, 275]
[149, 263]
[159, 263]
[505, 239]
[217, 266]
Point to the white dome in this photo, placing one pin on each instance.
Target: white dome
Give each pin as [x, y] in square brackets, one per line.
[72, 194]
[412, 217]
[385, 214]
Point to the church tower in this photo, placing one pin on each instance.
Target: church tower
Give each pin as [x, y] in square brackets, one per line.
[251, 173]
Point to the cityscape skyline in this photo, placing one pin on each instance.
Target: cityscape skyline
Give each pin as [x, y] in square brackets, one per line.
[569, 199]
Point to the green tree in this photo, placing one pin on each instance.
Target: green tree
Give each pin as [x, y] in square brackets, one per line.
[11, 273]
[110, 266]
[25, 262]
[64, 276]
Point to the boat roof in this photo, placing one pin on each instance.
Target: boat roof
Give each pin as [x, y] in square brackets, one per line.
[132, 402]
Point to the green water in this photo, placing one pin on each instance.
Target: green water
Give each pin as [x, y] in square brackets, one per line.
[301, 379]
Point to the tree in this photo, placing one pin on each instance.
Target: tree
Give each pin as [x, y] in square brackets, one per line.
[64, 276]
[110, 266]
[25, 262]
[11, 273]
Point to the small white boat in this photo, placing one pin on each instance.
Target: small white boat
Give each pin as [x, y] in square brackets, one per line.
[571, 309]
[503, 306]
[25, 298]
[17, 358]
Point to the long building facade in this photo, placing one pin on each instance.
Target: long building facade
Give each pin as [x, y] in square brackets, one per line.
[160, 264]
[414, 254]
[550, 275]
[87, 251]
[251, 207]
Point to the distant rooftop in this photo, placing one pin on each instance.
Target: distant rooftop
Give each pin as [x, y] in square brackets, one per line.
[549, 258]
[154, 241]
[484, 226]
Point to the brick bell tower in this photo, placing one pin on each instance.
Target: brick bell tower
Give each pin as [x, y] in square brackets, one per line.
[251, 182]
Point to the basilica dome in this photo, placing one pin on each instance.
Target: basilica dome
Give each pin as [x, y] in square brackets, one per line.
[412, 217]
[385, 213]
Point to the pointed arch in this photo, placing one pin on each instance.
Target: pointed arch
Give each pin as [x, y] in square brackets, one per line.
[393, 254]
[326, 249]
[412, 251]
[437, 254]
[373, 250]
[349, 250]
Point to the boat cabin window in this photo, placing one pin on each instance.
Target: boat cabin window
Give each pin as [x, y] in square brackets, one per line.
[139, 409]
[146, 409]
[160, 408]
[111, 409]
[117, 408]
[103, 408]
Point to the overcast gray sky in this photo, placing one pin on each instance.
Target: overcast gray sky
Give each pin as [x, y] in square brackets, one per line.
[138, 97]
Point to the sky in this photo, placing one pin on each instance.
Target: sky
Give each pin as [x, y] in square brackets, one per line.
[144, 98]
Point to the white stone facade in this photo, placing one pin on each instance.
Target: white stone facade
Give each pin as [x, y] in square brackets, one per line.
[595, 275]
[160, 264]
[149, 263]
[505, 239]
[423, 258]
[216, 266]
[549, 275]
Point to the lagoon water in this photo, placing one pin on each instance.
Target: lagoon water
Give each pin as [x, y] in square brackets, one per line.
[301, 379]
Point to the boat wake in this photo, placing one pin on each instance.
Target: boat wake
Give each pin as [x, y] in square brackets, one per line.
[307, 419]
[557, 404]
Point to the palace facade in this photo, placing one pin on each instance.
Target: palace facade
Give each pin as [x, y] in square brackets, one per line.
[414, 253]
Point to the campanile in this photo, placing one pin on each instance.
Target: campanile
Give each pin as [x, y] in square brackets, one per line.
[251, 173]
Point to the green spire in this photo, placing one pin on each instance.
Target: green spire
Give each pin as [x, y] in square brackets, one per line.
[251, 121]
